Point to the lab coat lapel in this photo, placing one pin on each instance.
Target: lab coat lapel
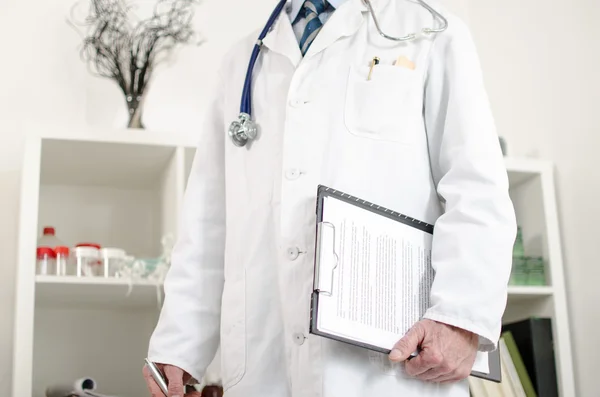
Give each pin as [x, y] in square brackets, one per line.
[282, 40]
[344, 22]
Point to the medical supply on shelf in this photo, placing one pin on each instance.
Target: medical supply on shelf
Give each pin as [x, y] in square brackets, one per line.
[113, 260]
[526, 270]
[85, 387]
[529, 271]
[518, 248]
[152, 270]
[87, 261]
[535, 271]
[46, 261]
[48, 238]
[91, 245]
[518, 274]
[64, 264]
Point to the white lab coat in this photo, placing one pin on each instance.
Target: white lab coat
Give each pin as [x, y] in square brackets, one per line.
[421, 142]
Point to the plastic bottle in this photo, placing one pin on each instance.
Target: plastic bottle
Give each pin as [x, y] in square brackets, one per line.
[49, 239]
[64, 264]
[46, 262]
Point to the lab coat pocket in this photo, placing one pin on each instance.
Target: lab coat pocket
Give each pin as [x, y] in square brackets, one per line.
[387, 107]
[233, 331]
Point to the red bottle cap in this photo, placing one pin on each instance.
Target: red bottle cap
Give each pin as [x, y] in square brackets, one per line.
[43, 252]
[49, 231]
[91, 245]
[62, 251]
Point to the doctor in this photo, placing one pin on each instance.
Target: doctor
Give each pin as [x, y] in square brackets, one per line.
[417, 137]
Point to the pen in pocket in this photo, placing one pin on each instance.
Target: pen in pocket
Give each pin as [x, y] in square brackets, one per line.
[374, 62]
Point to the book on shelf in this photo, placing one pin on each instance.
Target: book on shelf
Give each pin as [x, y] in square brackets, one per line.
[482, 388]
[510, 380]
[533, 340]
[511, 385]
[517, 364]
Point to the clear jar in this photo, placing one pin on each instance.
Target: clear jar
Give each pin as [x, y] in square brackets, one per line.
[87, 262]
[64, 264]
[46, 261]
[113, 260]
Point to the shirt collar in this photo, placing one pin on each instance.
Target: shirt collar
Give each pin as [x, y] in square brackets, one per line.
[297, 6]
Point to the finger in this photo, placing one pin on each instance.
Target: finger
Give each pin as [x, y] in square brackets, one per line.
[428, 359]
[409, 343]
[175, 381]
[153, 388]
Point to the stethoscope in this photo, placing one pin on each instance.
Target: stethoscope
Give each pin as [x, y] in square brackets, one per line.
[244, 130]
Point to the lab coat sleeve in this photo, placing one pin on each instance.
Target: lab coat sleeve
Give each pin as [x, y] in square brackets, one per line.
[187, 333]
[473, 239]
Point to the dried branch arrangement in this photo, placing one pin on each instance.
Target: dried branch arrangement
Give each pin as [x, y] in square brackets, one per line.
[118, 46]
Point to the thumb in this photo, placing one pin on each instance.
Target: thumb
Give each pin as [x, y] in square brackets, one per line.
[175, 379]
[409, 344]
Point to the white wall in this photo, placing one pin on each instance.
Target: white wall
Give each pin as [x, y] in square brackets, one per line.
[540, 59]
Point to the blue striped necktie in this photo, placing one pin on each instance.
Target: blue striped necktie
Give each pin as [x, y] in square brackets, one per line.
[312, 9]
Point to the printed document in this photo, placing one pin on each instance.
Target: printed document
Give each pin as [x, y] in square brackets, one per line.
[375, 275]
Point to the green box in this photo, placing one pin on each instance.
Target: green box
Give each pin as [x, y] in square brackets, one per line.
[519, 248]
[519, 273]
[536, 271]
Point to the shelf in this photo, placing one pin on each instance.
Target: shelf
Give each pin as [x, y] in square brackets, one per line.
[526, 293]
[53, 291]
[70, 162]
[77, 291]
[112, 135]
[522, 170]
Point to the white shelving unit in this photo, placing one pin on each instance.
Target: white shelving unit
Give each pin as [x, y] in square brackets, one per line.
[533, 194]
[119, 189]
[124, 189]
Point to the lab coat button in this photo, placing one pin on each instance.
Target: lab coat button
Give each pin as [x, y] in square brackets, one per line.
[293, 253]
[296, 103]
[292, 174]
[299, 339]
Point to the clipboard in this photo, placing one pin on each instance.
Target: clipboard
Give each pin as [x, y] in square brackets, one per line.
[325, 252]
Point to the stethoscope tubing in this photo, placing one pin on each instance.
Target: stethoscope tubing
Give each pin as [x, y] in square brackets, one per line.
[246, 104]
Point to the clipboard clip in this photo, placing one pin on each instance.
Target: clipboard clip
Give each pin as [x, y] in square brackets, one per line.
[326, 260]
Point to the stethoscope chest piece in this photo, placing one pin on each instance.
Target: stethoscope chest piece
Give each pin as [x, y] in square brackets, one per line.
[243, 130]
